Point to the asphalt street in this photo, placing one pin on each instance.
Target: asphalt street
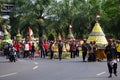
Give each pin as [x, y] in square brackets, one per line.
[46, 69]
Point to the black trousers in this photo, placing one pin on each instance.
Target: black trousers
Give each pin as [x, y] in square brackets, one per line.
[46, 52]
[92, 57]
[77, 52]
[26, 54]
[112, 69]
[84, 55]
[18, 53]
[73, 53]
[42, 54]
[51, 54]
[60, 55]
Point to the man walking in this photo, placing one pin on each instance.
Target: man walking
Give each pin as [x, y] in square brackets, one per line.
[84, 50]
[51, 50]
[60, 47]
[111, 53]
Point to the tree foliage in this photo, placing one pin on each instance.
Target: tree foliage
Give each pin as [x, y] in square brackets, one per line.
[55, 16]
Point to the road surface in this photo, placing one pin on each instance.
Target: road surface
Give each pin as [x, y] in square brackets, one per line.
[46, 69]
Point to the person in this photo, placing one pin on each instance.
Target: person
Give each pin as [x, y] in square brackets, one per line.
[6, 49]
[17, 46]
[118, 50]
[46, 46]
[71, 49]
[51, 50]
[60, 47]
[74, 49]
[77, 48]
[111, 54]
[32, 50]
[26, 49]
[92, 51]
[84, 50]
[42, 50]
[12, 54]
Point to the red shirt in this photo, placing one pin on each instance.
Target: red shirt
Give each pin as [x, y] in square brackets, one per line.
[30, 46]
[17, 46]
[46, 46]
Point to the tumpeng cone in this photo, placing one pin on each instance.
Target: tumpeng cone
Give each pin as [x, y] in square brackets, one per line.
[97, 35]
[19, 36]
[6, 37]
[70, 35]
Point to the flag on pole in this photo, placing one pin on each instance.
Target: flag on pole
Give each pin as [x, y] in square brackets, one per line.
[97, 15]
[70, 25]
[30, 32]
[59, 36]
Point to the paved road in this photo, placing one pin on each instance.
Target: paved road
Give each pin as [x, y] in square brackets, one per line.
[45, 69]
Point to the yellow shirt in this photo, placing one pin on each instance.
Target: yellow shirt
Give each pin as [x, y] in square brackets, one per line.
[118, 48]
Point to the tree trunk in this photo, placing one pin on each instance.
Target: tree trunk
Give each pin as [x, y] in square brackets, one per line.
[40, 33]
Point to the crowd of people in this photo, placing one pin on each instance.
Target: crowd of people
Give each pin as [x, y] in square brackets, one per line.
[22, 49]
[47, 48]
[90, 51]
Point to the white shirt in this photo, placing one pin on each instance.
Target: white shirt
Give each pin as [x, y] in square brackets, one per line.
[26, 47]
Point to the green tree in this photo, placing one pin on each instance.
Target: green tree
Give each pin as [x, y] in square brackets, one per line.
[53, 16]
[111, 18]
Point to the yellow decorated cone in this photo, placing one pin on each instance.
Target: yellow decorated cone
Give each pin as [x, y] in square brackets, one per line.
[6, 37]
[70, 35]
[30, 34]
[97, 35]
[18, 36]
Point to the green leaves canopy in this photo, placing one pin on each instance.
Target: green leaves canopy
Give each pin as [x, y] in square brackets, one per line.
[57, 15]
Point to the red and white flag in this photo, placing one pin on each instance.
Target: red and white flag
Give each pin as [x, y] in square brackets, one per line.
[97, 15]
[70, 25]
[59, 36]
[30, 32]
